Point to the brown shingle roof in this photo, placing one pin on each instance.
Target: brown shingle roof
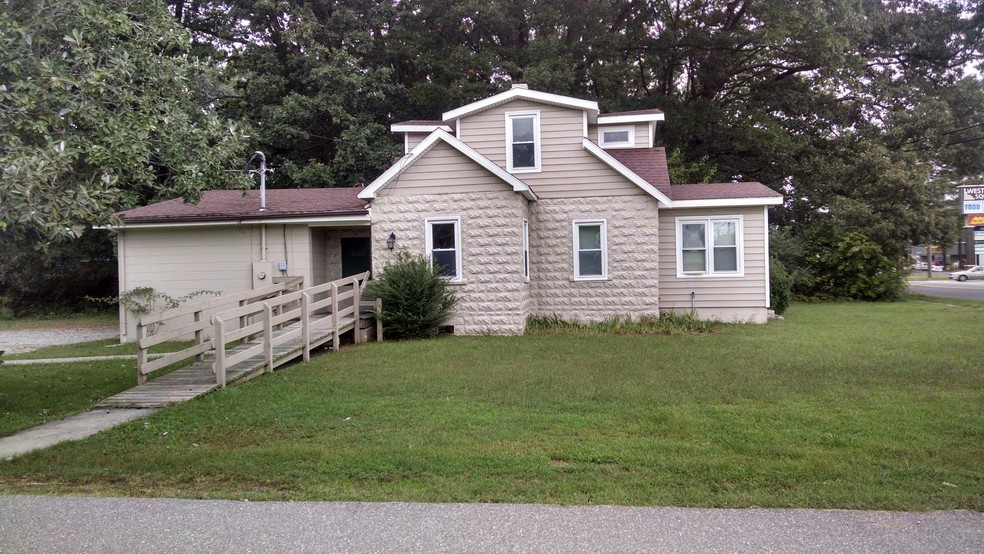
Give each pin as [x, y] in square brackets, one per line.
[437, 122]
[720, 191]
[648, 163]
[225, 205]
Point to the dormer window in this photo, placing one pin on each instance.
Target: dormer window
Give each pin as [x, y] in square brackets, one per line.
[523, 142]
[616, 137]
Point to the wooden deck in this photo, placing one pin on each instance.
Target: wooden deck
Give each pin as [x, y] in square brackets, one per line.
[198, 378]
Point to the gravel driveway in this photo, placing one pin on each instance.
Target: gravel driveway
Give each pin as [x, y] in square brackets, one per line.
[25, 340]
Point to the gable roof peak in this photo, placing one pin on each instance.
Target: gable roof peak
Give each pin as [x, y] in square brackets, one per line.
[523, 92]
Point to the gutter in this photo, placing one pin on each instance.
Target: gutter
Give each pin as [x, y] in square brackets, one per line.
[360, 218]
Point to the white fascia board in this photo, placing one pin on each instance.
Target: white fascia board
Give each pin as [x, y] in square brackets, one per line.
[525, 94]
[610, 119]
[397, 128]
[627, 173]
[418, 151]
[727, 202]
[324, 221]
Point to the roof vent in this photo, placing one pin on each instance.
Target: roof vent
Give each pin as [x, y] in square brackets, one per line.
[523, 86]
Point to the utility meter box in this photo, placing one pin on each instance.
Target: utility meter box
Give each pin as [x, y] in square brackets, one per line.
[263, 274]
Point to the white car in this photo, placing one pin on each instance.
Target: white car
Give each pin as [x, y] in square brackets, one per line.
[974, 272]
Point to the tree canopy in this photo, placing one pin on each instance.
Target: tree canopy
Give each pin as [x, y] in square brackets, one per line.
[102, 108]
[864, 113]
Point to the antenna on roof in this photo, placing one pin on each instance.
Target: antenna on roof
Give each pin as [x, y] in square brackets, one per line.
[262, 172]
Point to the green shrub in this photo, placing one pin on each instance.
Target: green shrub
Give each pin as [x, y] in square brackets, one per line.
[857, 268]
[417, 300]
[780, 285]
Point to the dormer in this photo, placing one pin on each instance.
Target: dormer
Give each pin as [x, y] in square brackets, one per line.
[634, 129]
[416, 130]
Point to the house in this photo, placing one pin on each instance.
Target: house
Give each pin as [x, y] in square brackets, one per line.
[530, 202]
[535, 203]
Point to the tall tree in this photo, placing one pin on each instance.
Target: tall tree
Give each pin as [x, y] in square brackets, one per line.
[308, 73]
[102, 108]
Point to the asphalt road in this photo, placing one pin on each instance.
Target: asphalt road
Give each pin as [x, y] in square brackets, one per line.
[940, 286]
[132, 526]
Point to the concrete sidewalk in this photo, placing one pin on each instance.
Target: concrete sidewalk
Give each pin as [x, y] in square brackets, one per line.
[136, 525]
[78, 359]
[78, 426]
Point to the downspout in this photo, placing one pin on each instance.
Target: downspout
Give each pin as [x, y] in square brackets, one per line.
[263, 244]
[121, 271]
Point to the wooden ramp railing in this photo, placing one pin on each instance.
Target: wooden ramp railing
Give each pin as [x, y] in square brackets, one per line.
[263, 329]
[169, 318]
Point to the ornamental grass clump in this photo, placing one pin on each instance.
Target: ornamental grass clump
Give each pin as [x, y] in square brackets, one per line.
[417, 300]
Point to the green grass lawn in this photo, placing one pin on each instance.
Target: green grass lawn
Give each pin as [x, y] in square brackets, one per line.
[34, 394]
[870, 406]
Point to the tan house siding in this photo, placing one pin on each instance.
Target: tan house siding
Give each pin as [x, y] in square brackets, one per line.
[633, 285]
[492, 291]
[725, 298]
[413, 139]
[443, 170]
[567, 169]
[178, 261]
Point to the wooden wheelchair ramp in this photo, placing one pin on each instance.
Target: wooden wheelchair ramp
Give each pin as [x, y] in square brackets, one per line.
[257, 336]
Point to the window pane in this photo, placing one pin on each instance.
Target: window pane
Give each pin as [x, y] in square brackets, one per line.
[726, 234]
[693, 235]
[522, 129]
[693, 260]
[726, 259]
[616, 136]
[524, 155]
[589, 237]
[589, 263]
[446, 262]
[442, 235]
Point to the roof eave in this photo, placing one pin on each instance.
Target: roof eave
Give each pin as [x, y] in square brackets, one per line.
[341, 217]
[728, 202]
[519, 93]
[607, 120]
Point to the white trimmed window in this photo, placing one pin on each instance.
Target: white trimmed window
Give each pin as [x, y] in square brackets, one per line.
[590, 250]
[523, 142]
[444, 245]
[709, 247]
[526, 250]
[616, 137]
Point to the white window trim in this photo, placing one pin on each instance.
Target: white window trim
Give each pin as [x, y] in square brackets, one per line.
[428, 236]
[630, 129]
[526, 250]
[536, 141]
[604, 249]
[708, 222]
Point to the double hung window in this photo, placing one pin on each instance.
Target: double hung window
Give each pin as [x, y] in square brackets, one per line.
[709, 246]
[590, 250]
[444, 246]
[523, 142]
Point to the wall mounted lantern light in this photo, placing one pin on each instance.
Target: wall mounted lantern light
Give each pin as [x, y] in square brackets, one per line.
[391, 241]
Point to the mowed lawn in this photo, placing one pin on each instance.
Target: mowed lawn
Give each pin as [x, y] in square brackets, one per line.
[869, 406]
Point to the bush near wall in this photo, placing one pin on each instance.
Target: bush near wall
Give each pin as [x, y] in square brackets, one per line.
[417, 301]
